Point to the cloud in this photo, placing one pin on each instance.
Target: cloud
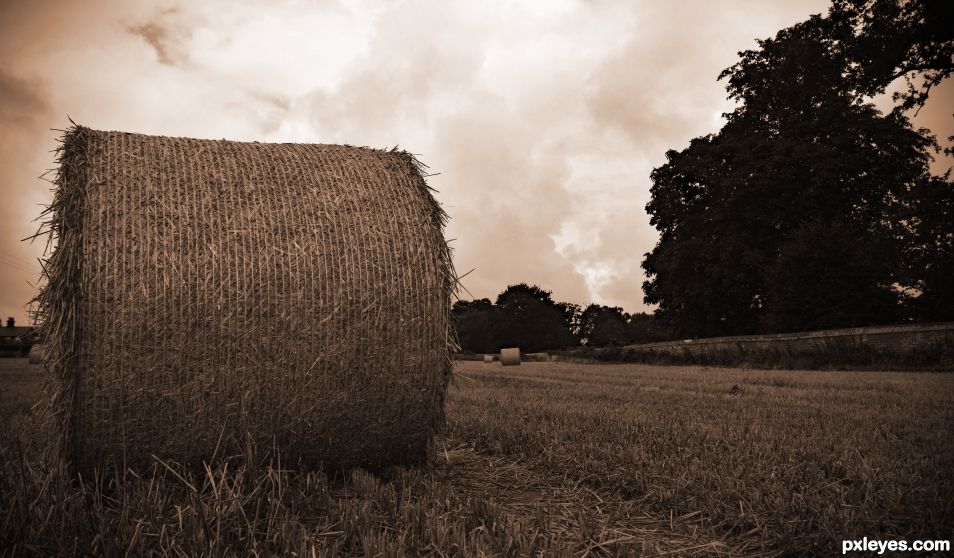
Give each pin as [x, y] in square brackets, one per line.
[21, 100]
[544, 119]
[165, 35]
[434, 98]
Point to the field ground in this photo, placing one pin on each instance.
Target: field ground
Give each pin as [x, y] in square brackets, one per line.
[545, 459]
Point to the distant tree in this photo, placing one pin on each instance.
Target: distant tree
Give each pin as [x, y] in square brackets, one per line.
[527, 317]
[531, 320]
[803, 145]
[571, 320]
[646, 328]
[603, 326]
[477, 325]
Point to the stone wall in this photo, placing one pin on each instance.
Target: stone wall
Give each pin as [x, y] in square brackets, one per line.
[884, 339]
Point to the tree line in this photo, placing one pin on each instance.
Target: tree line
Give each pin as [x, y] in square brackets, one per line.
[526, 316]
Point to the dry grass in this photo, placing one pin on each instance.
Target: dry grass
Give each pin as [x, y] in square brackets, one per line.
[549, 459]
[206, 297]
[791, 460]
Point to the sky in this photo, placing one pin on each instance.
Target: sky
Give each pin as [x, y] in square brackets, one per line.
[543, 118]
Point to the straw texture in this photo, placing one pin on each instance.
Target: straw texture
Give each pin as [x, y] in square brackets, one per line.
[207, 298]
[510, 357]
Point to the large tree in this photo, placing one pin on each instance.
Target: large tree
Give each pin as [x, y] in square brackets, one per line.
[829, 275]
[929, 251]
[804, 145]
[884, 40]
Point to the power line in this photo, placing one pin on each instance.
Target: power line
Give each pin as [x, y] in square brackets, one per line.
[14, 257]
[12, 261]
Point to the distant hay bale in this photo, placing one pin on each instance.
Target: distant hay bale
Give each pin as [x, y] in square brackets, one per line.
[36, 354]
[536, 357]
[510, 357]
[204, 294]
[488, 358]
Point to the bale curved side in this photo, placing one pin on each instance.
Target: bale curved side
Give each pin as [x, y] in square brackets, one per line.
[36, 354]
[206, 294]
[510, 357]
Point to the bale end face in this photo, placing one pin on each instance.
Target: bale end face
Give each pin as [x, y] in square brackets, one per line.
[510, 357]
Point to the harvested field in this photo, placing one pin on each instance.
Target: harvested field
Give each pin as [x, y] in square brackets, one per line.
[553, 458]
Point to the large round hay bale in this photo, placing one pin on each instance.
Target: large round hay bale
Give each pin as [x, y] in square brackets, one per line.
[36, 354]
[510, 357]
[206, 293]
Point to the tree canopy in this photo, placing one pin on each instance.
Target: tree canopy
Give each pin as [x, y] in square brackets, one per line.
[884, 40]
[805, 173]
[476, 323]
[523, 316]
[526, 316]
[531, 320]
[604, 325]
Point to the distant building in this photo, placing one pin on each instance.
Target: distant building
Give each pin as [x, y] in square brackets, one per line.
[15, 341]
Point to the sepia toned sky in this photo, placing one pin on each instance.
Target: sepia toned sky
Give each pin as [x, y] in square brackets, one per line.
[543, 118]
